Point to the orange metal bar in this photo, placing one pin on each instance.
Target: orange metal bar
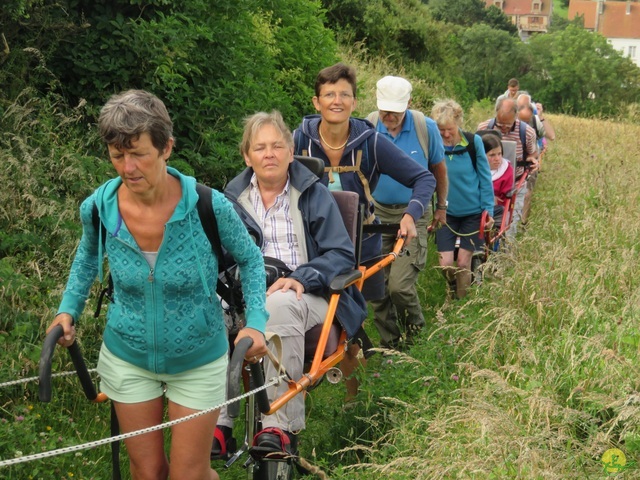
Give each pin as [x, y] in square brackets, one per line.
[320, 366]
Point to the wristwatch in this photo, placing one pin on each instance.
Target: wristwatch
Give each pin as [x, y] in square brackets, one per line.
[442, 207]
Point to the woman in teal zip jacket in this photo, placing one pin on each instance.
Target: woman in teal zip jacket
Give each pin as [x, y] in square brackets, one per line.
[165, 333]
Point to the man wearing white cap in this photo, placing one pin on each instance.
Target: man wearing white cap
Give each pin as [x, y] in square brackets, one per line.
[398, 316]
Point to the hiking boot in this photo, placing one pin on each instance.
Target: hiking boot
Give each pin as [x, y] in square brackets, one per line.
[274, 444]
[224, 445]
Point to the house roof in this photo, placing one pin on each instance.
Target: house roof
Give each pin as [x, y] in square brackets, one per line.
[585, 8]
[614, 21]
[523, 7]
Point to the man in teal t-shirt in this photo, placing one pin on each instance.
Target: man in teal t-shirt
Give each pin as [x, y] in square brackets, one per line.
[398, 316]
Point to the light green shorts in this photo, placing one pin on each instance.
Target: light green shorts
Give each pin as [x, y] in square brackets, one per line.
[199, 388]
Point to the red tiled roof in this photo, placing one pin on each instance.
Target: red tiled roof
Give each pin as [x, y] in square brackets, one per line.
[586, 8]
[614, 21]
[523, 7]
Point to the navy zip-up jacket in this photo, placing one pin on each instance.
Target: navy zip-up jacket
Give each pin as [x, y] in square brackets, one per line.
[330, 251]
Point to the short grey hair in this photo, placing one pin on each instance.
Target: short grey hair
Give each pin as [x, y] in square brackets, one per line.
[129, 114]
[501, 101]
[253, 123]
[445, 112]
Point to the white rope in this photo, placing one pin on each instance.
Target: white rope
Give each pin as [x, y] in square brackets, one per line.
[117, 438]
[33, 379]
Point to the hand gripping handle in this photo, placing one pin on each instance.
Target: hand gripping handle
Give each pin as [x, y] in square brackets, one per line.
[234, 374]
[44, 368]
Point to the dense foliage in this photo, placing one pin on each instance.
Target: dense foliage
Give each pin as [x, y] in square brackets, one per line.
[212, 66]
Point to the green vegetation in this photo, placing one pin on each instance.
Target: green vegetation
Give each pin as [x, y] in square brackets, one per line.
[533, 377]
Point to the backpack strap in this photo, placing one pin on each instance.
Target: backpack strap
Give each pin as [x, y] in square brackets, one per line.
[523, 139]
[101, 230]
[227, 286]
[471, 148]
[420, 122]
[209, 222]
[365, 183]
[374, 117]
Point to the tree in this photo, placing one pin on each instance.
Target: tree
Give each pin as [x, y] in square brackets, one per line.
[579, 72]
[471, 12]
[489, 58]
[212, 63]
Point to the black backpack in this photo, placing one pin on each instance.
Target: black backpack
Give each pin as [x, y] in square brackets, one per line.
[471, 148]
[228, 287]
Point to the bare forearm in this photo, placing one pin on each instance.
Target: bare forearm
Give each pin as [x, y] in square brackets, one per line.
[439, 171]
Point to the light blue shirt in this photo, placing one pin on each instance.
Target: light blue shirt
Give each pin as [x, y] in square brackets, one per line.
[389, 191]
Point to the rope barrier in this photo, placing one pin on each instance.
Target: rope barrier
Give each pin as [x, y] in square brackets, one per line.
[117, 438]
[31, 379]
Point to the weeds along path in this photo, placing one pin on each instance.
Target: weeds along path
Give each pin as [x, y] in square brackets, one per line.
[547, 350]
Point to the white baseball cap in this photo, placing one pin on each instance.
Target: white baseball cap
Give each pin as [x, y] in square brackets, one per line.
[393, 94]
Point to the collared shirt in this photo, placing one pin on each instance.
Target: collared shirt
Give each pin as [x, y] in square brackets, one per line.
[390, 192]
[514, 135]
[280, 239]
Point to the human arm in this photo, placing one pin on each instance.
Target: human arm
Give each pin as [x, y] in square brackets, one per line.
[329, 249]
[239, 244]
[550, 133]
[392, 161]
[532, 149]
[438, 167]
[439, 171]
[84, 269]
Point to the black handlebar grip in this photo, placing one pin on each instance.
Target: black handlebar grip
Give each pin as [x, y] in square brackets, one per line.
[83, 374]
[258, 381]
[44, 367]
[234, 374]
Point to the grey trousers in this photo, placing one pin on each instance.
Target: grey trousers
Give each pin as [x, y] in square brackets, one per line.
[289, 318]
[518, 205]
[400, 308]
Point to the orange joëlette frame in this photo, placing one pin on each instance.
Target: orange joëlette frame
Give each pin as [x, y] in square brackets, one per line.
[320, 366]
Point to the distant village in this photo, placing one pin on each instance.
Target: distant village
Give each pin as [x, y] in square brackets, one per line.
[617, 20]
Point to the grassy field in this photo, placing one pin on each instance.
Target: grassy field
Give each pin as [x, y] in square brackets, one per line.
[535, 375]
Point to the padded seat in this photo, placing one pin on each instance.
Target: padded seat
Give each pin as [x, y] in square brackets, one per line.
[311, 338]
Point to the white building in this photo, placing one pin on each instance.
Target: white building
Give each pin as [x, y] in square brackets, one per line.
[618, 21]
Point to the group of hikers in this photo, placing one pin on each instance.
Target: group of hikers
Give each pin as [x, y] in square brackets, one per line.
[166, 333]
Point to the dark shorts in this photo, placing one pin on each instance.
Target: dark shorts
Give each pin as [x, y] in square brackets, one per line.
[447, 235]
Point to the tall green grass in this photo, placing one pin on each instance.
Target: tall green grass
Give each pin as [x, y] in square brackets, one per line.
[546, 351]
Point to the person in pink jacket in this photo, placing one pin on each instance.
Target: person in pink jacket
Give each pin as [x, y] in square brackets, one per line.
[501, 173]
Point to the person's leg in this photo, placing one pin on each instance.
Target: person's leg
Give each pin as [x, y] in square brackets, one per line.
[137, 396]
[470, 242]
[463, 273]
[517, 212]
[446, 241]
[385, 315]
[353, 359]
[290, 318]
[526, 204]
[190, 444]
[403, 279]
[147, 460]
